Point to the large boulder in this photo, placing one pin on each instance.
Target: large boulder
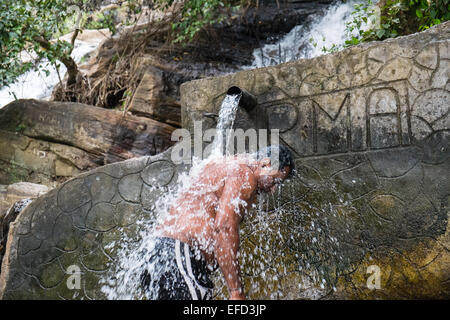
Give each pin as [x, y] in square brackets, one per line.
[77, 224]
[46, 141]
[10, 194]
[13, 199]
[366, 215]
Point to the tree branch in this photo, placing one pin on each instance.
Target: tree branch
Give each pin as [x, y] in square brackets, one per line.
[72, 68]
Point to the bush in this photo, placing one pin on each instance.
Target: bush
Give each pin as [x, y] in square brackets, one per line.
[391, 18]
[430, 13]
[23, 26]
[197, 14]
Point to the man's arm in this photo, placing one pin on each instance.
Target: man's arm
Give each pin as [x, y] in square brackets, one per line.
[226, 233]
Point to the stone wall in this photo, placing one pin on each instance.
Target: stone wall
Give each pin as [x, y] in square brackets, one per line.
[369, 128]
[75, 225]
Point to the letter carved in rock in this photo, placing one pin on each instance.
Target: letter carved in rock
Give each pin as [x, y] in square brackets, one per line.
[383, 119]
[332, 128]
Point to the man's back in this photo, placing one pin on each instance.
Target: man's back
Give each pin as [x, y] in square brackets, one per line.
[192, 217]
[206, 217]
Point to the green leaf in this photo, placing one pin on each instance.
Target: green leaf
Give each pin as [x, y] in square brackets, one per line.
[380, 33]
[419, 13]
[433, 13]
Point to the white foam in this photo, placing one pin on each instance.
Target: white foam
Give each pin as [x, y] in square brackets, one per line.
[307, 41]
[36, 84]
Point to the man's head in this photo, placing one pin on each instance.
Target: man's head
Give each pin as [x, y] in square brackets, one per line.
[275, 164]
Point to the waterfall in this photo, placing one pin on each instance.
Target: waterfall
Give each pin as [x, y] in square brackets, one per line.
[38, 85]
[307, 40]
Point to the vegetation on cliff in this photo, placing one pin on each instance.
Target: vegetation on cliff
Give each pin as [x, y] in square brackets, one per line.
[32, 27]
[391, 18]
[31, 30]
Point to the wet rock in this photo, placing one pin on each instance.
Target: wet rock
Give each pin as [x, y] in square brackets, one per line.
[101, 217]
[9, 194]
[80, 224]
[13, 199]
[152, 99]
[370, 134]
[158, 173]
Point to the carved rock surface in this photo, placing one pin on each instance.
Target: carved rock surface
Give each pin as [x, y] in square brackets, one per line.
[370, 129]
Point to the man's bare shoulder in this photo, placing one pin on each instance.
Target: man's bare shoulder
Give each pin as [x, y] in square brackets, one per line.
[234, 173]
[242, 175]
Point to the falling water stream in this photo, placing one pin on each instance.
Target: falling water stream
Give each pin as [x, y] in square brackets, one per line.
[227, 115]
[123, 282]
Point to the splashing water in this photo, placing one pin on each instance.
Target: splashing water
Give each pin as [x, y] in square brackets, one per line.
[35, 84]
[290, 231]
[123, 280]
[307, 40]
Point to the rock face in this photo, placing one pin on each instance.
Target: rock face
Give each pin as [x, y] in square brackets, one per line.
[46, 140]
[13, 199]
[366, 216]
[369, 127]
[75, 224]
[9, 194]
[157, 95]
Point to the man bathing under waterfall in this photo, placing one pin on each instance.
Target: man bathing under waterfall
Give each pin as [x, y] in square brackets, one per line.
[201, 229]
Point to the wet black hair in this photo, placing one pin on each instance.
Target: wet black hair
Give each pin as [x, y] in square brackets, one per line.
[285, 158]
